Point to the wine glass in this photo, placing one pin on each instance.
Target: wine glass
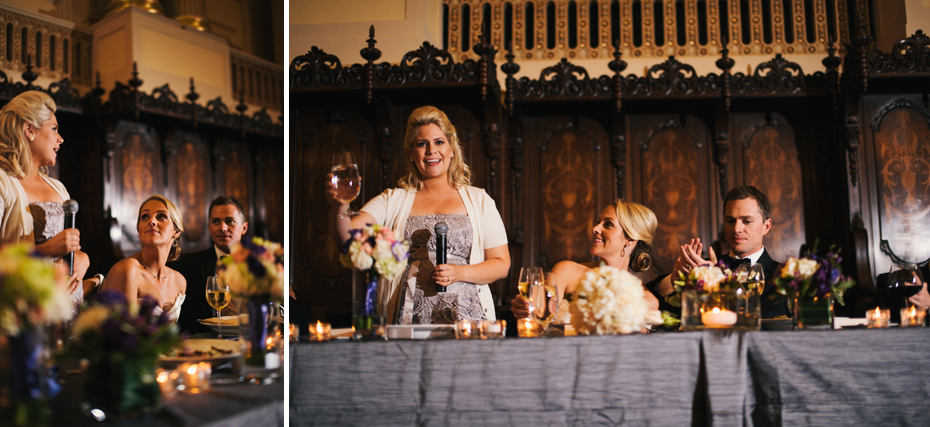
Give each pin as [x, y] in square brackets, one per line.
[755, 278]
[525, 280]
[905, 282]
[545, 303]
[346, 180]
[218, 298]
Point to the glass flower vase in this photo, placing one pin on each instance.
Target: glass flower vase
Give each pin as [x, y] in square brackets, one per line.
[368, 308]
[260, 314]
[691, 303]
[123, 387]
[30, 385]
[814, 313]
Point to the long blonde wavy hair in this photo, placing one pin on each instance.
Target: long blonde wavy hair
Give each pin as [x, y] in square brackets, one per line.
[459, 173]
[31, 107]
[638, 223]
[176, 219]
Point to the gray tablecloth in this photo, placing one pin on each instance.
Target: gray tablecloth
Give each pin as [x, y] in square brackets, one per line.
[722, 378]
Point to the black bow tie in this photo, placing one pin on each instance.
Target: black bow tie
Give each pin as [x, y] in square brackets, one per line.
[734, 263]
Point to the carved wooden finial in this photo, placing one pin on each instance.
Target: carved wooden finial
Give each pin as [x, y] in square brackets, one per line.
[192, 95]
[29, 75]
[135, 82]
[371, 54]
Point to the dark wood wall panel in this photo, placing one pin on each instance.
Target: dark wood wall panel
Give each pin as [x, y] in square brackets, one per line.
[190, 185]
[269, 193]
[233, 173]
[135, 159]
[902, 173]
[673, 176]
[771, 163]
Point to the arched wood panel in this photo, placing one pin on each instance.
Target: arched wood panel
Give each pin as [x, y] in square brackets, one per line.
[190, 185]
[134, 173]
[233, 173]
[269, 197]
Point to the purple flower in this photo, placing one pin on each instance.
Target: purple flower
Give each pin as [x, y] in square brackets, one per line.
[110, 298]
[118, 337]
[256, 267]
[147, 305]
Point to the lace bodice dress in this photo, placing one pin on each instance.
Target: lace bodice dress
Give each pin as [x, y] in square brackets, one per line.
[48, 219]
[422, 304]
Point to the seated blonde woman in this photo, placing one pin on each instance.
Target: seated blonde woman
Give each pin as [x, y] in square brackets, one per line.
[622, 239]
[160, 228]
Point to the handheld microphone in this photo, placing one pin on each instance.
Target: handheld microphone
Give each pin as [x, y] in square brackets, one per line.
[442, 230]
[70, 207]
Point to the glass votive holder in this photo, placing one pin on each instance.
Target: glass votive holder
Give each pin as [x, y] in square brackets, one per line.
[320, 331]
[293, 333]
[167, 382]
[495, 329]
[466, 329]
[195, 377]
[912, 317]
[719, 310]
[878, 318]
[527, 328]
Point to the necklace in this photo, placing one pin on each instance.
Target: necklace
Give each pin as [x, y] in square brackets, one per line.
[150, 271]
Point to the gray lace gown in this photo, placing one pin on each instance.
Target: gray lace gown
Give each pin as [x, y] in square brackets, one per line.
[48, 219]
[460, 301]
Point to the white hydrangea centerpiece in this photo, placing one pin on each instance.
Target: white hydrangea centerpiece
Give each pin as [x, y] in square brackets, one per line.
[608, 301]
[374, 246]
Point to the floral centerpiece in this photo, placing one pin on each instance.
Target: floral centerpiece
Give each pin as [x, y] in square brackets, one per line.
[32, 294]
[374, 250]
[608, 301]
[716, 296]
[812, 282]
[122, 342]
[704, 278]
[254, 271]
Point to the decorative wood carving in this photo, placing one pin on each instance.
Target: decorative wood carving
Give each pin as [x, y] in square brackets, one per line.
[427, 64]
[910, 55]
[233, 173]
[318, 68]
[134, 174]
[269, 197]
[371, 54]
[492, 149]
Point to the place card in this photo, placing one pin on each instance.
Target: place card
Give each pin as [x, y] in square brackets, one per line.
[320, 331]
[912, 317]
[878, 318]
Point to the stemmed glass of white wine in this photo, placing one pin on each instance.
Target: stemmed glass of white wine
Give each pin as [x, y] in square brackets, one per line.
[218, 298]
[346, 180]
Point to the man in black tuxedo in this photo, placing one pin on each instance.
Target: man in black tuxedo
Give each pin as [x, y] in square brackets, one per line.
[227, 226]
[746, 220]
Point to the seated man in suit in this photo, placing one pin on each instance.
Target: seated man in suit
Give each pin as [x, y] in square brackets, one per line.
[746, 220]
[227, 226]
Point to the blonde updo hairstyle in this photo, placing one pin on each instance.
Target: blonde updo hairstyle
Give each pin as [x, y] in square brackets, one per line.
[31, 107]
[639, 223]
[176, 219]
[459, 172]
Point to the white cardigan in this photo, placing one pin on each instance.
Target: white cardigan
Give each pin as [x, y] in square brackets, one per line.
[15, 219]
[392, 207]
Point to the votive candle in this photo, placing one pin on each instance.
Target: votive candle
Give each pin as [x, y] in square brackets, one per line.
[495, 329]
[167, 383]
[195, 377]
[717, 318]
[465, 329]
[293, 333]
[527, 328]
[320, 331]
[878, 318]
[912, 317]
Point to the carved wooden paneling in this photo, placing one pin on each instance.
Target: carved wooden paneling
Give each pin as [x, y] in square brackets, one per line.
[470, 133]
[569, 183]
[233, 173]
[134, 173]
[269, 194]
[902, 167]
[673, 175]
[771, 164]
[190, 185]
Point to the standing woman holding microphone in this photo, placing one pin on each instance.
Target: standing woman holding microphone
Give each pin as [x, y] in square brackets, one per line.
[436, 189]
[31, 202]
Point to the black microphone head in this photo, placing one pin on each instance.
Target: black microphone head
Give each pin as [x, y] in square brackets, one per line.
[70, 206]
[441, 228]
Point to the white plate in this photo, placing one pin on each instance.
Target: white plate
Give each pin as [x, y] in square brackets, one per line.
[230, 326]
[172, 360]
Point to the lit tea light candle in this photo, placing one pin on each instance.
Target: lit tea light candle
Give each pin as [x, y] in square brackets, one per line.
[167, 384]
[488, 329]
[195, 377]
[464, 329]
[878, 318]
[293, 333]
[912, 317]
[320, 332]
[527, 328]
[718, 318]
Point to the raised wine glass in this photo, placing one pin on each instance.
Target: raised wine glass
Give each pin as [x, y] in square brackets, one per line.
[346, 180]
[905, 283]
[218, 298]
[545, 303]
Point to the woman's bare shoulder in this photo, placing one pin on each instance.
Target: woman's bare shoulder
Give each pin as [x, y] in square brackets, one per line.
[178, 279]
